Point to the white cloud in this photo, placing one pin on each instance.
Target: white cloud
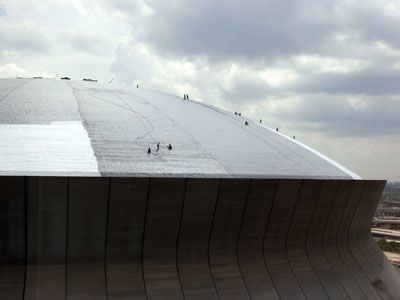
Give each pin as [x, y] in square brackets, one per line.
[320, 64]
[11, 70]
[388, 50]
[392, 8]
[10, 54]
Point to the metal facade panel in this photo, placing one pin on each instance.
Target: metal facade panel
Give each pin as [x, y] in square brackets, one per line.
[361, 248]
[331, 246]
[275, 247]
[315, 241]
[344, 245]
[86, 244]
[162, 225]
[12, 237]
[194, 236]
[127, 211]
[251, 241]
[141, 238]
[47, 199]
[297, 254]
[225, 233]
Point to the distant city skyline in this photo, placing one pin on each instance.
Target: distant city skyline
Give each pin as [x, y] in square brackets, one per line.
[328, 73]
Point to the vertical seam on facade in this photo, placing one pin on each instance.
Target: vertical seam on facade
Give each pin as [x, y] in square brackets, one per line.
[209, 237]
[265, 236]
[348, 246]
[368, 235]
[144, 232]
[354, 220]
[66, 240]
[106, 237]
[360, 220]
[239, 235]
[348, 240]
[177, 239]
[306, 238]
[323, 239]
[25, 232]
[338, 247]
[287, 236]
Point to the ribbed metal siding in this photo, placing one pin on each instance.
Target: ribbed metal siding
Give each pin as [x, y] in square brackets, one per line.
[141, 238]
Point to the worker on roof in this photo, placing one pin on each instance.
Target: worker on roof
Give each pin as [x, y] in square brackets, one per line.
[149, 150]
[169, 147]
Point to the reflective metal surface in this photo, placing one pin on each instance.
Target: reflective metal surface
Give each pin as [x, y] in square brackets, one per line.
[187, 238]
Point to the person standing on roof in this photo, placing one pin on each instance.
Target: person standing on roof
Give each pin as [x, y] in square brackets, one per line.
[169, 147]
[158, 146]
[149, 150]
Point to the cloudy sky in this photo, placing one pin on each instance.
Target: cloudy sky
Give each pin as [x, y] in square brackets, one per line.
[325, 71]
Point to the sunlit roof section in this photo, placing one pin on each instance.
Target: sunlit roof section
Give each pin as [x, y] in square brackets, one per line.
[66, 127]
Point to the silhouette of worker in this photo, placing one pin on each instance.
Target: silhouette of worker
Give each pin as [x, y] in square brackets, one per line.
[149, 150]
[260, 121]
[240, 114]
[169, 147]
[158, 146]
[137, 86]
[246, 123]
[235, 113]
[277, 129]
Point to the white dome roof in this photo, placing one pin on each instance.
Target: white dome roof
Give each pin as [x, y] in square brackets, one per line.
[60, 127]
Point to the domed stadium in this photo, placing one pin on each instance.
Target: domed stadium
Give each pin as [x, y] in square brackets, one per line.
[112, 193]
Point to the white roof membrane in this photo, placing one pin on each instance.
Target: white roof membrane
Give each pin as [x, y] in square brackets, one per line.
[107, 131]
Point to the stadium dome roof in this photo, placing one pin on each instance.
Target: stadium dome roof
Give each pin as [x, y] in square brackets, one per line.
[61, 127]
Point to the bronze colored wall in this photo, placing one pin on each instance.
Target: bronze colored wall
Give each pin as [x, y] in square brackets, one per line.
[160, 238]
